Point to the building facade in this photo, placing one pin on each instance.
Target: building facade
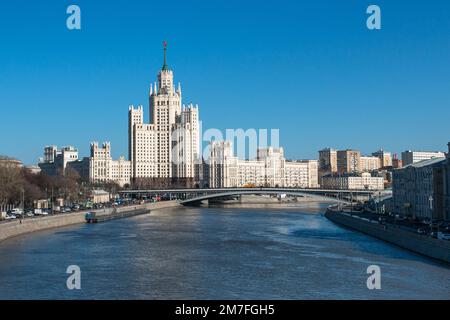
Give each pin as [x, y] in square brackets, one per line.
[411, 157]
[327, 161]
[10, 162]
[348, 161]
[385, 158]
[396, 162]
[102, 167]
[422, 189]
[412, 188]
[301, 174]
[97, 168]
[169, 145]
[369, 164]
[221, 165]
[270, 169]
[55, 161]
[363, 181]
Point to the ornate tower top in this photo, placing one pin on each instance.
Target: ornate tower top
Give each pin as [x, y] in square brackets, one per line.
[165, 67]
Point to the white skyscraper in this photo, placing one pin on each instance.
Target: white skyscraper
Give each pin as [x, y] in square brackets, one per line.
[169, 145]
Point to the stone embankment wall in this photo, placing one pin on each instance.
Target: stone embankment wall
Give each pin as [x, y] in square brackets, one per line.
[434, 248]
[14, 228]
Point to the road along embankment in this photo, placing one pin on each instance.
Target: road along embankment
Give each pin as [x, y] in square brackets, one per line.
[430, 247]
[15, 228]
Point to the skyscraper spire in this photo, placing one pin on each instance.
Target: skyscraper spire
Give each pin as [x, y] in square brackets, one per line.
[165, 67]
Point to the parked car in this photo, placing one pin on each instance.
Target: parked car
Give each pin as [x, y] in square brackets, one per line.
[40, 212]
[29, 213]
[16, 211]
[421, 231]
[65, 210]
[443, 236]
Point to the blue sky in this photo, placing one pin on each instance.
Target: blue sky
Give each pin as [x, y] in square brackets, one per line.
[310, 68]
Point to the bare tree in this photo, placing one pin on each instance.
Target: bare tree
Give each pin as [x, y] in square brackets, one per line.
[11, 183]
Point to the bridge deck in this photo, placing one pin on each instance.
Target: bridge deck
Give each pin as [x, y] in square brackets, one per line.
[275, 190]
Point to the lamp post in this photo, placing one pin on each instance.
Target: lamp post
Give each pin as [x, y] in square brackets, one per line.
[23, 205]
[430, 200]
[351, 203]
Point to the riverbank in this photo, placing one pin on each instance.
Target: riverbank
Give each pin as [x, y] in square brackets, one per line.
[16, 228]
[426, 246]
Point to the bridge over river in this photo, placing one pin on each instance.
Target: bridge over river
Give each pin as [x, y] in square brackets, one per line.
[196, 196]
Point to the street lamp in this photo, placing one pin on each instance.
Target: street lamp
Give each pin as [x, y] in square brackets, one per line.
[22, 216]
[430, 200]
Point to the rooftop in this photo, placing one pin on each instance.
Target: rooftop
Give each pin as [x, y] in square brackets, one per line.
[425, 163]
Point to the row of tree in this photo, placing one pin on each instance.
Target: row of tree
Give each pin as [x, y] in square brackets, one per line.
[18, 185]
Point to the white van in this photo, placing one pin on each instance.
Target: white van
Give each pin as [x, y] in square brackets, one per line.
[16, 211]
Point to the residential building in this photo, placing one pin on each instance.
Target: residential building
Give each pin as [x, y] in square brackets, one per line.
[301, 174]
[410, 157]
[327, 161]
[33, 169]
[413, 186]
[169, 146]
[369, 164]
[385, 158]
[396, 163]
[441, 189]
[270, 169]
[102, 167]
[422, 189]
[55, 161]
[355, 181]
[251, 172]
[10, 162]
[274, 161]
[99, 167]
[348, 161]
[222, 165]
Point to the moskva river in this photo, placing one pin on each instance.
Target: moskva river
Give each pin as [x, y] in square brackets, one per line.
[216, 253]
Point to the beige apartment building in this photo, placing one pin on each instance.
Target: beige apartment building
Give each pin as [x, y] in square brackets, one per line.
[270, 169]
[348, 161]
[363, 181]
[369, 164]
[301, 174]
[250, 172]
[385, 158]
[169, 145]
[102, 168]
[222, 166]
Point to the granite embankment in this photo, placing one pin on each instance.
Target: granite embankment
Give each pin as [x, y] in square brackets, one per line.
[430, 247]
[14, 228]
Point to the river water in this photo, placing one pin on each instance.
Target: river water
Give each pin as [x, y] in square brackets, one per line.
[216, 253]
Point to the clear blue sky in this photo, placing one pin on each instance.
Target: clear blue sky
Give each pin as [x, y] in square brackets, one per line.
[310, 68]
